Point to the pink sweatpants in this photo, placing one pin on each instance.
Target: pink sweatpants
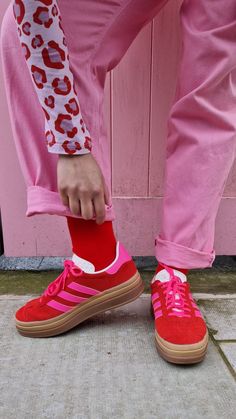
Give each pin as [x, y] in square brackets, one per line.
[202, 122]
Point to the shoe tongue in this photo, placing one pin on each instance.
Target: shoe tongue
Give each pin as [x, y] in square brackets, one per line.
[83, 264]
[164, 276]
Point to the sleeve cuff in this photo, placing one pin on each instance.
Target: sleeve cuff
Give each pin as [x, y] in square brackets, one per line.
[68, 148]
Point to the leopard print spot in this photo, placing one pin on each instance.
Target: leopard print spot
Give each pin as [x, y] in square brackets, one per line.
[71, 148]
[88, 143]
[39, 76]
[61, 86]
[72, 107]
[37, 41]
[19, 11]
[50, 101]
[46, 113]
[53, 56]
[50, 138]
[55, 10]
[64, 125]
[26, 51]
[42, 17]
[26, 28]
[46, 2]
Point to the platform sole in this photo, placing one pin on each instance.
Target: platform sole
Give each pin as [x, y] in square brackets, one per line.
[182, 354]
[107, 300]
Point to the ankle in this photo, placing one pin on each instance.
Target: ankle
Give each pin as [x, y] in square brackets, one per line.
[160, 267]
[93, 242]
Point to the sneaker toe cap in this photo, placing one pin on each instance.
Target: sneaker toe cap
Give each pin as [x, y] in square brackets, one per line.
[21, 314]
[182, 332]
[27, 312]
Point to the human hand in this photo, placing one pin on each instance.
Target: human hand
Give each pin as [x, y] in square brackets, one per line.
[81, 186]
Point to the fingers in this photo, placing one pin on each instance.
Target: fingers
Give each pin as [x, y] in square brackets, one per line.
[106, 195]
[86, 207]
[86, 204]
[106, 192]
[74, 204]
[64, 197]
[99, 207]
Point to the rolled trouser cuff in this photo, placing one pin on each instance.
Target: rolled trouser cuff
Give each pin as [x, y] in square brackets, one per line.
[180, 256]
[43, 201]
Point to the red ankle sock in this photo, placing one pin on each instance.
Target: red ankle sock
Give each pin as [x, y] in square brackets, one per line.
[183, 270]
[93, 242]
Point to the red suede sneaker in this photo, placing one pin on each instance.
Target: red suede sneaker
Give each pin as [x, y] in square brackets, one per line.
[76, 296]
[180, 330]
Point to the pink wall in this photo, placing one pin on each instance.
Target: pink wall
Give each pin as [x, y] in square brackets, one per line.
[137, 200]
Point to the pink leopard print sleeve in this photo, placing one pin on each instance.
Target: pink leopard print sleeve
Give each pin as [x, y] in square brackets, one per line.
[43, 41]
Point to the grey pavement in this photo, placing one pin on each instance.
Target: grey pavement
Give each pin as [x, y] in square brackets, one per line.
[108, 367]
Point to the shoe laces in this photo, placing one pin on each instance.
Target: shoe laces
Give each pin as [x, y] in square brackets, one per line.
[59, 283]
[174, 291]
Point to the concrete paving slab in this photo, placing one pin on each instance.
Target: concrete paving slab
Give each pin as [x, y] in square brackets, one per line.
[229, 349]
[106, 368]
[221, 317]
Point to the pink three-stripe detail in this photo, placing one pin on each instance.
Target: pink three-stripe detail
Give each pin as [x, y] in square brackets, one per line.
[195, 307]
[156, 305]
[71, 297]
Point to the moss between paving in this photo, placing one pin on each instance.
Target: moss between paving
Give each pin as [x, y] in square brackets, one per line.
[34, 282]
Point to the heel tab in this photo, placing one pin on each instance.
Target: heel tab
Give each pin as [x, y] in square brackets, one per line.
[122, 256]
[123, 252]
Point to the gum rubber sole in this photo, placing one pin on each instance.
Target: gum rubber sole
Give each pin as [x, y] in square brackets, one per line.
[107, 300]
[182, 354]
